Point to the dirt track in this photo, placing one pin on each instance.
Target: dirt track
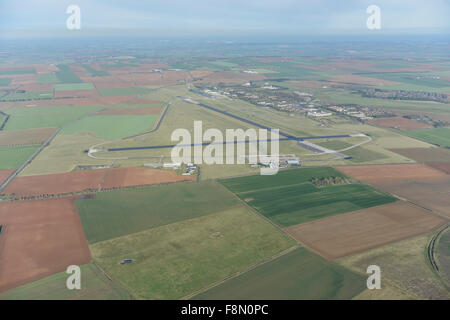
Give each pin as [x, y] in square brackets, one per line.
[345, 234]
[40, 238]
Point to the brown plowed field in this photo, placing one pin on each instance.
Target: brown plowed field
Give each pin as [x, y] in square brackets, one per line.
[64, 183]
[349, 233]
[129, 111]
[418, 183]
[128, 177]
[4, 174]
[25, 137]
[40, 238]
[58, 183]
[433, 154]
[401, 123]
[444, 167]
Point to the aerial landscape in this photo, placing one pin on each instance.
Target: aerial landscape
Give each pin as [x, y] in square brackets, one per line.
[356, 175]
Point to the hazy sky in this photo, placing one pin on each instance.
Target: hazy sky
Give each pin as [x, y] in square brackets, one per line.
[167, 17]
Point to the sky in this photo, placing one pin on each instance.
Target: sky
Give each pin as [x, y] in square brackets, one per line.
[227, 17]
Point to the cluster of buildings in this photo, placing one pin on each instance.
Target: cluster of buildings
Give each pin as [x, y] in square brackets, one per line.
[360, 112]
[267, 95]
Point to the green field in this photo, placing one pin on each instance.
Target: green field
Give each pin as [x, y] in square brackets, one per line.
[289, 198]
[14, 157]
[176, 260]
[47, 78]
[296, 275]
[74, 86]
[117, 213]
[45, 117]
[94, 72]
[282, 178]
[94, 286]
[122, 91]
[112, 127]
[5, 81]
[439, 136]
[17, 71]
[66, 75]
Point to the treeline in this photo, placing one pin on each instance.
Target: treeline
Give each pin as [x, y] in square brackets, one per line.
[330, 181]
[404, 95]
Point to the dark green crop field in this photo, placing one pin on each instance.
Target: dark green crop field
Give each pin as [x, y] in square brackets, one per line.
[439, 136]
[118, 213]
[66, 75]
[299, 274]
[282, 178]
[292, 199]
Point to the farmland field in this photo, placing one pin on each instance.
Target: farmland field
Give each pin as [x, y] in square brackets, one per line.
[289, 198]
[14, 157]
[427, 155]
[5, 81]
[399, 123]
[47, 78]
[94, 285]
[418, 183]
[299, 274]
[358, 231]
[439, 136]
[74, 86]
[45, 117]
[404, 265]
[178, 259]
[25, 137]
[66, 75]
[443, 255]
[112, 126]
[71, 182]
[17, 71]
[94, 72]
[129, 211]
[4, 174]
[40, 238]
[122, 91]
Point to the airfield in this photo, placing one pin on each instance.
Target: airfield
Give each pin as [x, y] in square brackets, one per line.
[87, 179]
